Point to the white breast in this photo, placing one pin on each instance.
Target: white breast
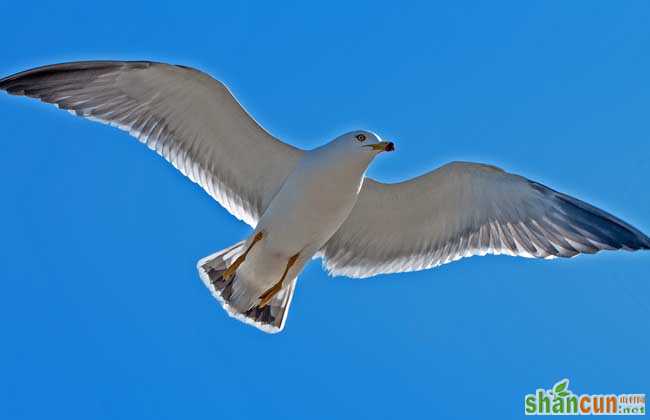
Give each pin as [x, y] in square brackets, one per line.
[313, 203]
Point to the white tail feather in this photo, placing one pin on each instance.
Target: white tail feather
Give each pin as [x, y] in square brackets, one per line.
[238, 298]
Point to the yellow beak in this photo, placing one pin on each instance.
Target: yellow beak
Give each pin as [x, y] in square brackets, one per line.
[382, 146]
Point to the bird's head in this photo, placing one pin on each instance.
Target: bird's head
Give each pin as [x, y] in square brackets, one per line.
[363, 143]
[351, 153]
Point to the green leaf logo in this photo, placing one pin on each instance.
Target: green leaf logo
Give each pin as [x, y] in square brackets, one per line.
[561, 388]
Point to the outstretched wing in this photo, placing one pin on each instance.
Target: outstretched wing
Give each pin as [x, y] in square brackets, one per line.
[187, 117]
[465, 209]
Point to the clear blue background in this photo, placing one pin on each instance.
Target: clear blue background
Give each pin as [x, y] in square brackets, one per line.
[103, 315]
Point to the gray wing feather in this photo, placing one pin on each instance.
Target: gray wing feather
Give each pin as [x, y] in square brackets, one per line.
[464, 209]
[184, 115]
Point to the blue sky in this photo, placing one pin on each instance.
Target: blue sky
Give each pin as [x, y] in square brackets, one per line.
[104, 315]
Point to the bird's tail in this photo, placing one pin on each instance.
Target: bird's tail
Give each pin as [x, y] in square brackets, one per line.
[238, 296]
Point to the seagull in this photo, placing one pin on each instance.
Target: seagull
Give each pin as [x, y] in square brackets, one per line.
[304, 204]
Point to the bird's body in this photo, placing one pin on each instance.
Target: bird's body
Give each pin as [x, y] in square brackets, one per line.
[313, 202]
[302, 204]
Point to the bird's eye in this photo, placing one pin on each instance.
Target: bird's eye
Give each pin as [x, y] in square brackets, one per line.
[360, 137]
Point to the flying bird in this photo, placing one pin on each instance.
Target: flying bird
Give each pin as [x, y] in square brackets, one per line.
[303, 204]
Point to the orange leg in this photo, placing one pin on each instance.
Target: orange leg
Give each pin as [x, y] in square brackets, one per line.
[268, 295]
[230, 271]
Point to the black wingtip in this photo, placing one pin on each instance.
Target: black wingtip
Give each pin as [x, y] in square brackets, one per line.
[607, 228]
[606, 225]
[12, 83]
[646, 244]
